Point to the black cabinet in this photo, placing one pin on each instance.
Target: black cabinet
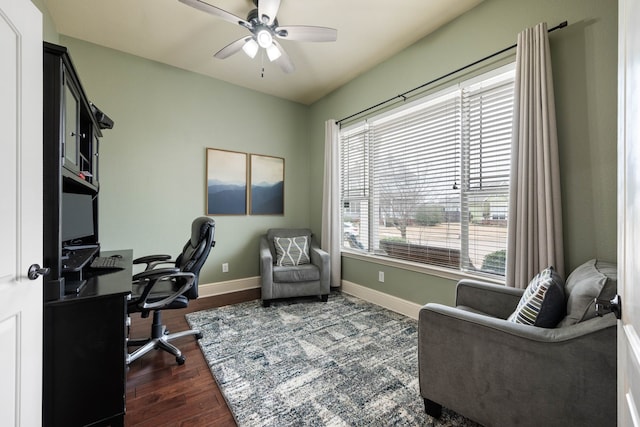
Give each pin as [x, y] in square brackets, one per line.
[71, 134]
[84, 372]
[69, 118]
[84, 330]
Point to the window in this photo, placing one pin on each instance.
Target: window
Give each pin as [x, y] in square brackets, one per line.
[429, 182]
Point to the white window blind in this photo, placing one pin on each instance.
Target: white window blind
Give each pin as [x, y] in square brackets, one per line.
[355, 185]
[428, 183]
[489, 106]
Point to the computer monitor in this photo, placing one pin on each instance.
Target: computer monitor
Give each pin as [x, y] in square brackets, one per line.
[77, 219]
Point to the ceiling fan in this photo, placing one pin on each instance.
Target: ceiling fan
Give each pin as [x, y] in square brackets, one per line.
[264, 28]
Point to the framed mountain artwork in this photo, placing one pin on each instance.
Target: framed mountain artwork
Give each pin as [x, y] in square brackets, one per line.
[267, 185]
[226, 182]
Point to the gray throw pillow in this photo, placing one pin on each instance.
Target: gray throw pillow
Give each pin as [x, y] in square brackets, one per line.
[593, 279]
[292, 251]
[542, 303]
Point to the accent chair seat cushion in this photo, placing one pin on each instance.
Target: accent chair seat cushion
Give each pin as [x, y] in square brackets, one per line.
[293, 274]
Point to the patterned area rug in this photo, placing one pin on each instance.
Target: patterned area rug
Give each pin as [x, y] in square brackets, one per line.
[301, 362]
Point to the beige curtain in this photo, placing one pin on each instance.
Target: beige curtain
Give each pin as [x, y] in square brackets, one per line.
[331, 226]
[535, 213]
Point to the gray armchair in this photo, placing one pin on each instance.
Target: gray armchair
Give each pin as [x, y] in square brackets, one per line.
[498, 373]
[286, 281]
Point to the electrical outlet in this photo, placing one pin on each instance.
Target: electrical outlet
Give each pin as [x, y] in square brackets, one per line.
[380, 276]
[225, 267]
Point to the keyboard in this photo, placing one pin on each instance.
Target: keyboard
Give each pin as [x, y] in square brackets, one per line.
[74, 258]
[107, 263]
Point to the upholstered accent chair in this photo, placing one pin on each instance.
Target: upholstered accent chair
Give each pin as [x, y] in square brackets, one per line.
[475, 360]
[292, 265]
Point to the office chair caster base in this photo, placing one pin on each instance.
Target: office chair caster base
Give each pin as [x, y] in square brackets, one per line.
[160, 340]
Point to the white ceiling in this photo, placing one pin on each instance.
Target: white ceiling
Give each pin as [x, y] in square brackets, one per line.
[167, 31]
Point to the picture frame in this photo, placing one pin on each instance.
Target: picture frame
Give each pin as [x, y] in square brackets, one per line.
[267, 185]
[226, 182]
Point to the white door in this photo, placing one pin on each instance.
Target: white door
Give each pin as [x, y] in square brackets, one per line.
[20, 213]
[629, 212]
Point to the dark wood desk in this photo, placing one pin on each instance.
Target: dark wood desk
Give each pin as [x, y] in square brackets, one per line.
[85, 350]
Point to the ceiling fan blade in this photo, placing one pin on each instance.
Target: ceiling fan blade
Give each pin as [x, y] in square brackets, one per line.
[231, 48]
[305, 33]
[284, 62]
[267, 10]
[216, 11]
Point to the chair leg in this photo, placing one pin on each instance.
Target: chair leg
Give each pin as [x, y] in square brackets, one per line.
[432, 408]
[324, 297]
[266, 303]
[159, 339]
[138, 353]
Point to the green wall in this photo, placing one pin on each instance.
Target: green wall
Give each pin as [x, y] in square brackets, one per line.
[49, 32]
[152, 163]
[584, 57]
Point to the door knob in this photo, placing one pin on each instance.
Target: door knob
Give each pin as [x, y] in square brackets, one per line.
[604, 306]
[35, 271]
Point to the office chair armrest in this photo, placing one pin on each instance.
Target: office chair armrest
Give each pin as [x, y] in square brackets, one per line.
[153, 260]
[149, 258]
[154, 274]
[162, 276]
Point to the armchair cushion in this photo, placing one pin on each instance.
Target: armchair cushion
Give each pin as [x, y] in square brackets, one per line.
[294, 274]
[593, 279]
[542, 303]
[291, 251]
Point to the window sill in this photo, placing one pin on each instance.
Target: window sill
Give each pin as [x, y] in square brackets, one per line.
[432, 270]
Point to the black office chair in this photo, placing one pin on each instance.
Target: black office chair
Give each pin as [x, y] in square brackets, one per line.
[156, 289]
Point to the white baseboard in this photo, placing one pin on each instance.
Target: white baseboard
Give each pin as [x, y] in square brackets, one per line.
[399, 305]
[229, 286]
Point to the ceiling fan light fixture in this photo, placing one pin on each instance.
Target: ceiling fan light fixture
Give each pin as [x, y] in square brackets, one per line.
[262, 23]
[264, 38]
[251, 48]
[273, 52]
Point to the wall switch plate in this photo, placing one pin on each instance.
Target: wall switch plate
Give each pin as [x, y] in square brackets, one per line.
[225, 267]
[380, 276]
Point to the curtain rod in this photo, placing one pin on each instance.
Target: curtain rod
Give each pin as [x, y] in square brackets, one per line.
[404, 97]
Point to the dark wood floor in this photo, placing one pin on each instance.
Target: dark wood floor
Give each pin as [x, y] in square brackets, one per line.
[161, 393]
